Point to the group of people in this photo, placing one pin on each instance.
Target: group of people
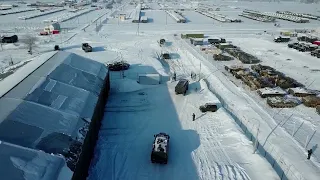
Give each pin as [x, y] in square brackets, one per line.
[193, 76]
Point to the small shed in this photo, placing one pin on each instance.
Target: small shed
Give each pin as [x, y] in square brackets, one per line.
[149, 79]
[53, 26]
[122, 17]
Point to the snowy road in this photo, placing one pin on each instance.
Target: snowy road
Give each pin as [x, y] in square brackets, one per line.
[212, 147]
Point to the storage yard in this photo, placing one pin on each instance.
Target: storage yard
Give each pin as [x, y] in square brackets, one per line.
[103, 77]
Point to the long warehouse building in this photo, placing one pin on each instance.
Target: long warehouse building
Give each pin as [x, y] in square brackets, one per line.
[50, 117]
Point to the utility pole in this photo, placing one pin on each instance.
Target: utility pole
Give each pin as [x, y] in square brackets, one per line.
[294, 127]
[166, 17]
[200, 72]
[138, 27]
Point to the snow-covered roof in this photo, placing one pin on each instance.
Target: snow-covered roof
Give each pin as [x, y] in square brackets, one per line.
[23, 163]
[59, 97]
[276, 90]
[161, 143]
[301, 90]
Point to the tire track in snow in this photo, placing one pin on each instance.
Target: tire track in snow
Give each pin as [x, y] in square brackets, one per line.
[224, 165]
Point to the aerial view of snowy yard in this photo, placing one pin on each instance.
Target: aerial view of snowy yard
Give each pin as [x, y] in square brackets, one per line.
[175, 90]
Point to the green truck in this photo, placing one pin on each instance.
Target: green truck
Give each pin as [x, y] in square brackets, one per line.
[186, 36]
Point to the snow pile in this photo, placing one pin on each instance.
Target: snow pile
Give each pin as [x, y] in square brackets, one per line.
[126, 85]
[40, 167]
[268, 90]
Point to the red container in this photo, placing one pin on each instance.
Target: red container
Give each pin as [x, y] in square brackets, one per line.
[316, 42]
[55, 32]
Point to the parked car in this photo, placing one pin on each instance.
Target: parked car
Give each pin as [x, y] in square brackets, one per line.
[160, 148]
[9, 39]
[281, 39]
[162, 42]
[44, 33]
[118, 66]
[316, 53]
[86, 47]
[182, 86]
[216, 41]
[208, 107]
[165, 56]
[290, 45]
[311, 47]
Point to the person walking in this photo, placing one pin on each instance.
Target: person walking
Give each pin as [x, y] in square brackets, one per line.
[193, 116]
[309, 153]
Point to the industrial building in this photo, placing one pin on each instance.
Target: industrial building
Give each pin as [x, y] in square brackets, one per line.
[50, 115]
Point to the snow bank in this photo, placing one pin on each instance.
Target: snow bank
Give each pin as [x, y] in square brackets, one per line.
[65, 173]
[40, 167]
[126, 85]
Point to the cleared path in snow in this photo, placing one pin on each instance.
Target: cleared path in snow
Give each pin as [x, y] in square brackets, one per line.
[212, 147]
[238, 102]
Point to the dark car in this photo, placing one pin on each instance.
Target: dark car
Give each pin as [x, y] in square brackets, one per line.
[162, 42]
[118, 66]
[160, 148]
[182, 87]
[281, 39]
[56, 48]
[311, 47]
[290, 45]
[216, 41]
[208, 107]
[315, 52]
[86, 47]
[165, 56]
[9, 39]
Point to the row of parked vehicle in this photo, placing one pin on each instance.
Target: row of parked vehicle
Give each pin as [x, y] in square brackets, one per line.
[306, 47]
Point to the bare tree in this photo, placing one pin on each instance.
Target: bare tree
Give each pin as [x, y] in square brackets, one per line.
[30, 41]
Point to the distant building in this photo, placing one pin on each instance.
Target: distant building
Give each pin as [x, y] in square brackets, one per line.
[52, 27]
[122, 17]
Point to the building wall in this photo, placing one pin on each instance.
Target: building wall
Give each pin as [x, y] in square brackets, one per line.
[82, 167]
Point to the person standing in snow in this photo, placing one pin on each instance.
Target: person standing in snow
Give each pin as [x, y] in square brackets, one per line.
[193, 116]
[309, 153]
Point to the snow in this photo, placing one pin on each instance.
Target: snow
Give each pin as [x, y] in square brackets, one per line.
[65, 173]
[276, 90]
[11, 81]
[301, 90]
[206, 149]
[136, 112]
[160, 144]
[216, 145]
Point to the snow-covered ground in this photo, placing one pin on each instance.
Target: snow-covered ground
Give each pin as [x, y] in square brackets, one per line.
[214, 139]
[214, 146]
[211, 147]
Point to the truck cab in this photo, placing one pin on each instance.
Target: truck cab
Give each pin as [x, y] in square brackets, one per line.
[182, 86]
[86, 47]
[208, 107]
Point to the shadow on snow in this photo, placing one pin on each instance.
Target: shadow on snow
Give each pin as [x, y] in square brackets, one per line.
[125, 139]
